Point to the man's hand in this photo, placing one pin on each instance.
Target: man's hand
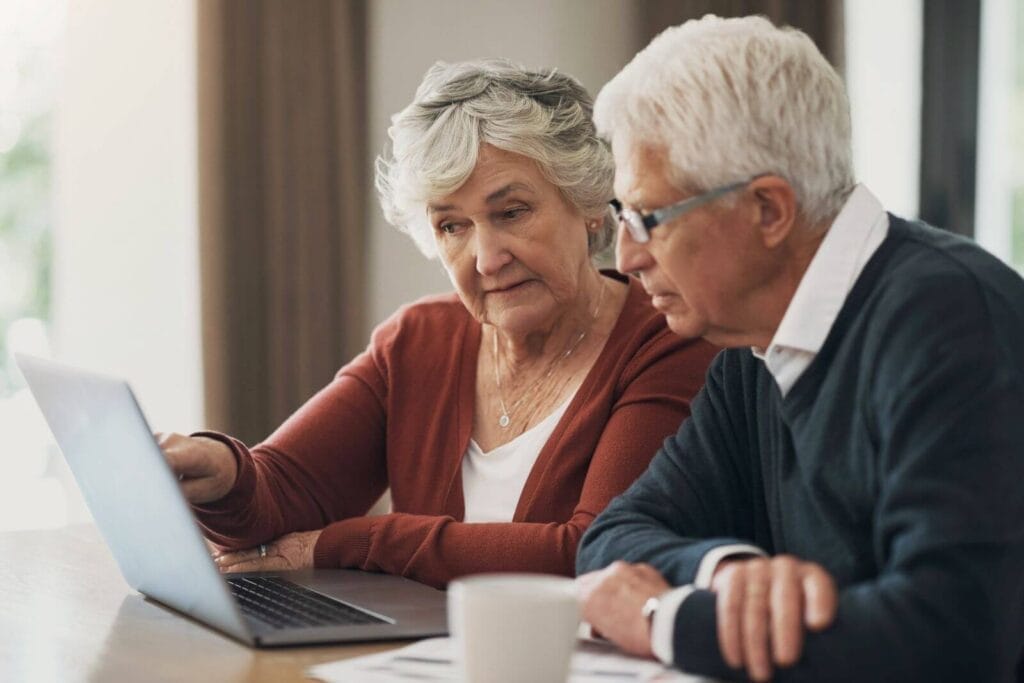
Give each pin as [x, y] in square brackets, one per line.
[613, 599]
[291, 551]
[763, 606]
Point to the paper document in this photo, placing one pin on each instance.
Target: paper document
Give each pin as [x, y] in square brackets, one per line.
[431, 660]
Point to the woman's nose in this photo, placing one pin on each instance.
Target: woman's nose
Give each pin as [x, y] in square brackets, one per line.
[491, 252]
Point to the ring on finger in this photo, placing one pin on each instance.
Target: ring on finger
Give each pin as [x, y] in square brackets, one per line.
[263, 550]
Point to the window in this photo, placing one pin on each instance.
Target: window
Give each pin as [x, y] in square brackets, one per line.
[999, 217]
[883, 77]
[30, 494]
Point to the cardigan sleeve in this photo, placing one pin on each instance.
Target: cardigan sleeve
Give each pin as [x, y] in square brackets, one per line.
[435, 549]
[325, 462]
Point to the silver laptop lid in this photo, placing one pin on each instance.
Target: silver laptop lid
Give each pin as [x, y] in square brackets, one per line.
[131, 491]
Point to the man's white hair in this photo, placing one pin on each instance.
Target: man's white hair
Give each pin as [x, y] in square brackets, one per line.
[544, 115]
[731, 98]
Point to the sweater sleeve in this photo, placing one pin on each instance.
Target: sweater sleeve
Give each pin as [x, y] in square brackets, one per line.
[948, 601]
[434, 550]
[325, 462]
[697, 494]
[945, 405]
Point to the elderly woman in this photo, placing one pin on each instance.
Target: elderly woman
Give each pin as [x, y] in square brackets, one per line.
[503, 417]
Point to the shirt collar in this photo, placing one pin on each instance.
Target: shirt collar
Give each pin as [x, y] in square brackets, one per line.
[849, 243]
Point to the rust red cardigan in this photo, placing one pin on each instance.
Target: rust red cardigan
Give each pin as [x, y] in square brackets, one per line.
[401, 415]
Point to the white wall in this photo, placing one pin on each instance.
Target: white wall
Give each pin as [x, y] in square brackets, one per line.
[590, 39]
[126, 265]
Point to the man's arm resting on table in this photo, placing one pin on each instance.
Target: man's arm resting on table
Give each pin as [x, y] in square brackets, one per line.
[663, 623]
[764, 607]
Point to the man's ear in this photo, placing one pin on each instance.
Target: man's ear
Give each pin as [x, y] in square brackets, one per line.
[775, 209]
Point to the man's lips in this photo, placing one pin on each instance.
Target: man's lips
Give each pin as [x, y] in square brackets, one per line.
[661, 299]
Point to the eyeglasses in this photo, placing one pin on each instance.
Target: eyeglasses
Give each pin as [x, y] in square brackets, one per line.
[641, 224]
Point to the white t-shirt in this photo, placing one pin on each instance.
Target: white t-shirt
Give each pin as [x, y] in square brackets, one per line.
[492, 482]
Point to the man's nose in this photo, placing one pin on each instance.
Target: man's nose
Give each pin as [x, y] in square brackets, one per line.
[630, 255]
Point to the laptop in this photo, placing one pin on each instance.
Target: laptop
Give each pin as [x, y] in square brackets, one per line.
[148, 525]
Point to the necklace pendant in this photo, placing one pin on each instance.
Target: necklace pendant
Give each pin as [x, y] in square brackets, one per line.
[503, 421]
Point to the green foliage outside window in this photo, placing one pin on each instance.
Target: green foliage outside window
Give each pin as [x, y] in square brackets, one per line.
[25, 216]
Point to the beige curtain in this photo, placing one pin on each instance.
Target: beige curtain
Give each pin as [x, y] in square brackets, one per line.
[822, 20]
[282, 201]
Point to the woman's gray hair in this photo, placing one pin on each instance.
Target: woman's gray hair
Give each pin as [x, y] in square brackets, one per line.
[727, 99]
[544, 115]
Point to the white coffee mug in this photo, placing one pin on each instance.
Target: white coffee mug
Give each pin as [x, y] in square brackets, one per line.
[513, 628]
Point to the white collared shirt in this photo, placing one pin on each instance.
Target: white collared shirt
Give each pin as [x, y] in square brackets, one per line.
[853, 238]
[851, 241]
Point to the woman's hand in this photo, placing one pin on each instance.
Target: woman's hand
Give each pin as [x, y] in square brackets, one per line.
[291, 551]
[206, 468]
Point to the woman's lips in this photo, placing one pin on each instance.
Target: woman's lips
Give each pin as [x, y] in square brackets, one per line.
[509, 289]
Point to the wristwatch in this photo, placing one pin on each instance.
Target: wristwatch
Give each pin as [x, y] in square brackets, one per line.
[649, 608]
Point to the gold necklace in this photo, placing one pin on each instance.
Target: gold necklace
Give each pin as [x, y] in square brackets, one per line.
[504, 421]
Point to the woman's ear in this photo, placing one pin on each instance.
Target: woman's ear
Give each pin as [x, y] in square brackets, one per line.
[775, 209]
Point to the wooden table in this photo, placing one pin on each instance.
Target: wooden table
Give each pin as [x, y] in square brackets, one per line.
[67, 615]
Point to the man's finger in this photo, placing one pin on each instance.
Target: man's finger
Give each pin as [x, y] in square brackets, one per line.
[786, 602]
[648, 572]
[820, 598]
[728, 608]
[756, 619]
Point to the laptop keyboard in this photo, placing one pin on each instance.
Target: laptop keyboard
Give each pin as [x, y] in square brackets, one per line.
[283, 604]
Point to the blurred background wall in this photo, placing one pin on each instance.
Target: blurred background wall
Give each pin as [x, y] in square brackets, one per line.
[590, 39]
[294, 105]
[186, 185]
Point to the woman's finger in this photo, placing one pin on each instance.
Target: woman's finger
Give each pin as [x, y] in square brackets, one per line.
[244, 561]
[244, 566]
[199, 490]
[185, 459]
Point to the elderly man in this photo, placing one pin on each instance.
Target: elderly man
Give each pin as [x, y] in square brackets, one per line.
[845, 502]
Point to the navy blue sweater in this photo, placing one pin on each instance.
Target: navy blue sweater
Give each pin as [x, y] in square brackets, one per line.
[896, 461]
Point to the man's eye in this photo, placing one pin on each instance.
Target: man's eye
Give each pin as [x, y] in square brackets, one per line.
[449, 228]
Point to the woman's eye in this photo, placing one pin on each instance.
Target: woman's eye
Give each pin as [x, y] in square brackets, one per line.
[449, 228]
[513, 213]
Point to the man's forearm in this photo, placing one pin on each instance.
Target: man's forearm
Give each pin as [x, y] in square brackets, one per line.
[632, 536]
[880, 634]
